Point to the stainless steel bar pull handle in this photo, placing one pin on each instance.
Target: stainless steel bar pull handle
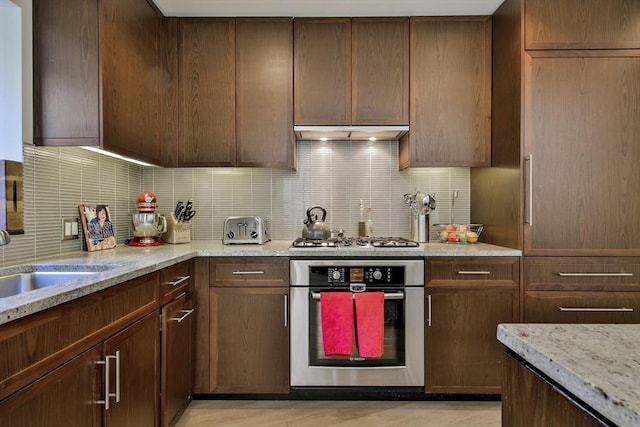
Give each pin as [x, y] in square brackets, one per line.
[395, 295]
[474, 272]
[248, 272]
[107, 379]
[428, 310]
[180, 280]
[117, 359]
[184, 316]
[530, 188]
[597, 309]
[286, 311]
[595, 274]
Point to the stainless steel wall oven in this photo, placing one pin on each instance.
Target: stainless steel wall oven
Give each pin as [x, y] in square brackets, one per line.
[402, 360]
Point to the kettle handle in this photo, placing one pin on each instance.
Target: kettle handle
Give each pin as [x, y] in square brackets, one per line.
[324, 214]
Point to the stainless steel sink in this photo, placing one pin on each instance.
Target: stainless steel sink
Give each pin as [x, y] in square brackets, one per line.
[38, 277]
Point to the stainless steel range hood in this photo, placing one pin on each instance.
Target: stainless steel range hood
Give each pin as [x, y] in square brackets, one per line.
[353, 133]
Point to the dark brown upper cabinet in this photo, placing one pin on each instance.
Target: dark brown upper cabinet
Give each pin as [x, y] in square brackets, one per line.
[570, 24]
[351, 71]
[450, 99]
[322, 71]
[380, 71]
[97, 76]
[264, 93]
[235, 92]
[206, 92]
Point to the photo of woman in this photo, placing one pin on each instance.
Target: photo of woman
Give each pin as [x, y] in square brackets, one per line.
[99, 232]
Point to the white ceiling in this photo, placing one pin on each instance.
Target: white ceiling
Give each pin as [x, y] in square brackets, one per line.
[326, 7]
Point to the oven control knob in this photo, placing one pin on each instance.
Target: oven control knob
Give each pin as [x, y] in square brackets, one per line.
[335, 275]
[377, 275]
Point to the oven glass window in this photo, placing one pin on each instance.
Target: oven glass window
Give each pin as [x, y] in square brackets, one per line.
[394, 336]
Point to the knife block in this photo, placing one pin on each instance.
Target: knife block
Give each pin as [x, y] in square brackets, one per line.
[177, 232]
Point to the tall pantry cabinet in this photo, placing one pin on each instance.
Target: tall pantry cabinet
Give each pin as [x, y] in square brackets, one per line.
[566, 147]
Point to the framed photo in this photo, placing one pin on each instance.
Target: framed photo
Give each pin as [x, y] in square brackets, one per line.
[97, 227]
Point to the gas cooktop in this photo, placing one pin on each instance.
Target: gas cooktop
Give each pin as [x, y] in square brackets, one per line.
[355, 242]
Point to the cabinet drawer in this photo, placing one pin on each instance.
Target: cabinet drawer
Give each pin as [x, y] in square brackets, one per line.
[582, 273]
[33, 345]
[174, 280]
[485, 271]
[581, 307]
[249, 271]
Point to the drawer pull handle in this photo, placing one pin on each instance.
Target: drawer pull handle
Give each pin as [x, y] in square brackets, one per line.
[471, 272]
[595, 274]
[387, 295]
[177, 282]
[248, 272]
[596, 309]
[184, 316]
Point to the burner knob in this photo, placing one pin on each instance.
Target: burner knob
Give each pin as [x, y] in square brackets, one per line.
[335, 275]
[377, 275]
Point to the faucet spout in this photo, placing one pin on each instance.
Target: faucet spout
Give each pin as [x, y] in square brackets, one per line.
[5, 237]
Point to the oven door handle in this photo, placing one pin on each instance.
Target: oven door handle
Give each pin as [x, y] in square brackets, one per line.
[387, 295]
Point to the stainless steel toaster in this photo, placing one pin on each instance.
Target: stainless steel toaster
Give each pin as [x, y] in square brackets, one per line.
[245, 229]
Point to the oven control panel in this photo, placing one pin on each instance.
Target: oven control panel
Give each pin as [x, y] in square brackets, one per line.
[342, 275]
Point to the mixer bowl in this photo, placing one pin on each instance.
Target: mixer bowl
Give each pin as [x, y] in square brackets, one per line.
[148, 224]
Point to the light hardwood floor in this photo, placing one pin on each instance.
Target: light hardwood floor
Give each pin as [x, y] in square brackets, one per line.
[305, 413]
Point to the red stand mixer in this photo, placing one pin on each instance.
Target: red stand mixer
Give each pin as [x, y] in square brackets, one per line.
[146, 224]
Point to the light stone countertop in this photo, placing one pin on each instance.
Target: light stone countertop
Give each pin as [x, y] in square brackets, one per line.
[599, 364]
[114, 266]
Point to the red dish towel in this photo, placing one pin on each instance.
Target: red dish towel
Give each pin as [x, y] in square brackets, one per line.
[370, 323]
[336, 315]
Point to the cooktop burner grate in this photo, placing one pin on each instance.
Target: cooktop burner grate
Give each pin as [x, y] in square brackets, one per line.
[355, 242]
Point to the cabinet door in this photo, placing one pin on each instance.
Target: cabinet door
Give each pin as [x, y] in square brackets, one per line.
[574, 24]
[178, 339]
[206, 92]
[462, 354]
[131, 79]
[581, 307]
[581, 133]
[65, 397]
[65, 49]
[264, 92]
[450, 99]
[380, 71]
[250, 340]
[322, 71]
[138, 350]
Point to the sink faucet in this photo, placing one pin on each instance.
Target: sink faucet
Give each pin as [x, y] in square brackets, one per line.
[5, 238]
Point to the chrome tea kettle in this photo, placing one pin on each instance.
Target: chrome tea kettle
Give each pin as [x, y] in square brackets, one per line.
[314, 229]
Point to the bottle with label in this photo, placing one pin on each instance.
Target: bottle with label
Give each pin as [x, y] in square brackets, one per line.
[362, 225]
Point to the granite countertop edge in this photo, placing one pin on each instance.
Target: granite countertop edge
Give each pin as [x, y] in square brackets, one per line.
[114, 266]
[581, 358]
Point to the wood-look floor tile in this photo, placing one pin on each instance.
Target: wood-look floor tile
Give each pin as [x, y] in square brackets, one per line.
[304, 413]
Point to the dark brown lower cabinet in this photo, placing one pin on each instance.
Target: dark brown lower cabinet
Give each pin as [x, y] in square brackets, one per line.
[462, 354]
[249, 339]
[137, 348]
[465, 300]
[61, 398]
[74, 393]
[178, 329]
[530, 401]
